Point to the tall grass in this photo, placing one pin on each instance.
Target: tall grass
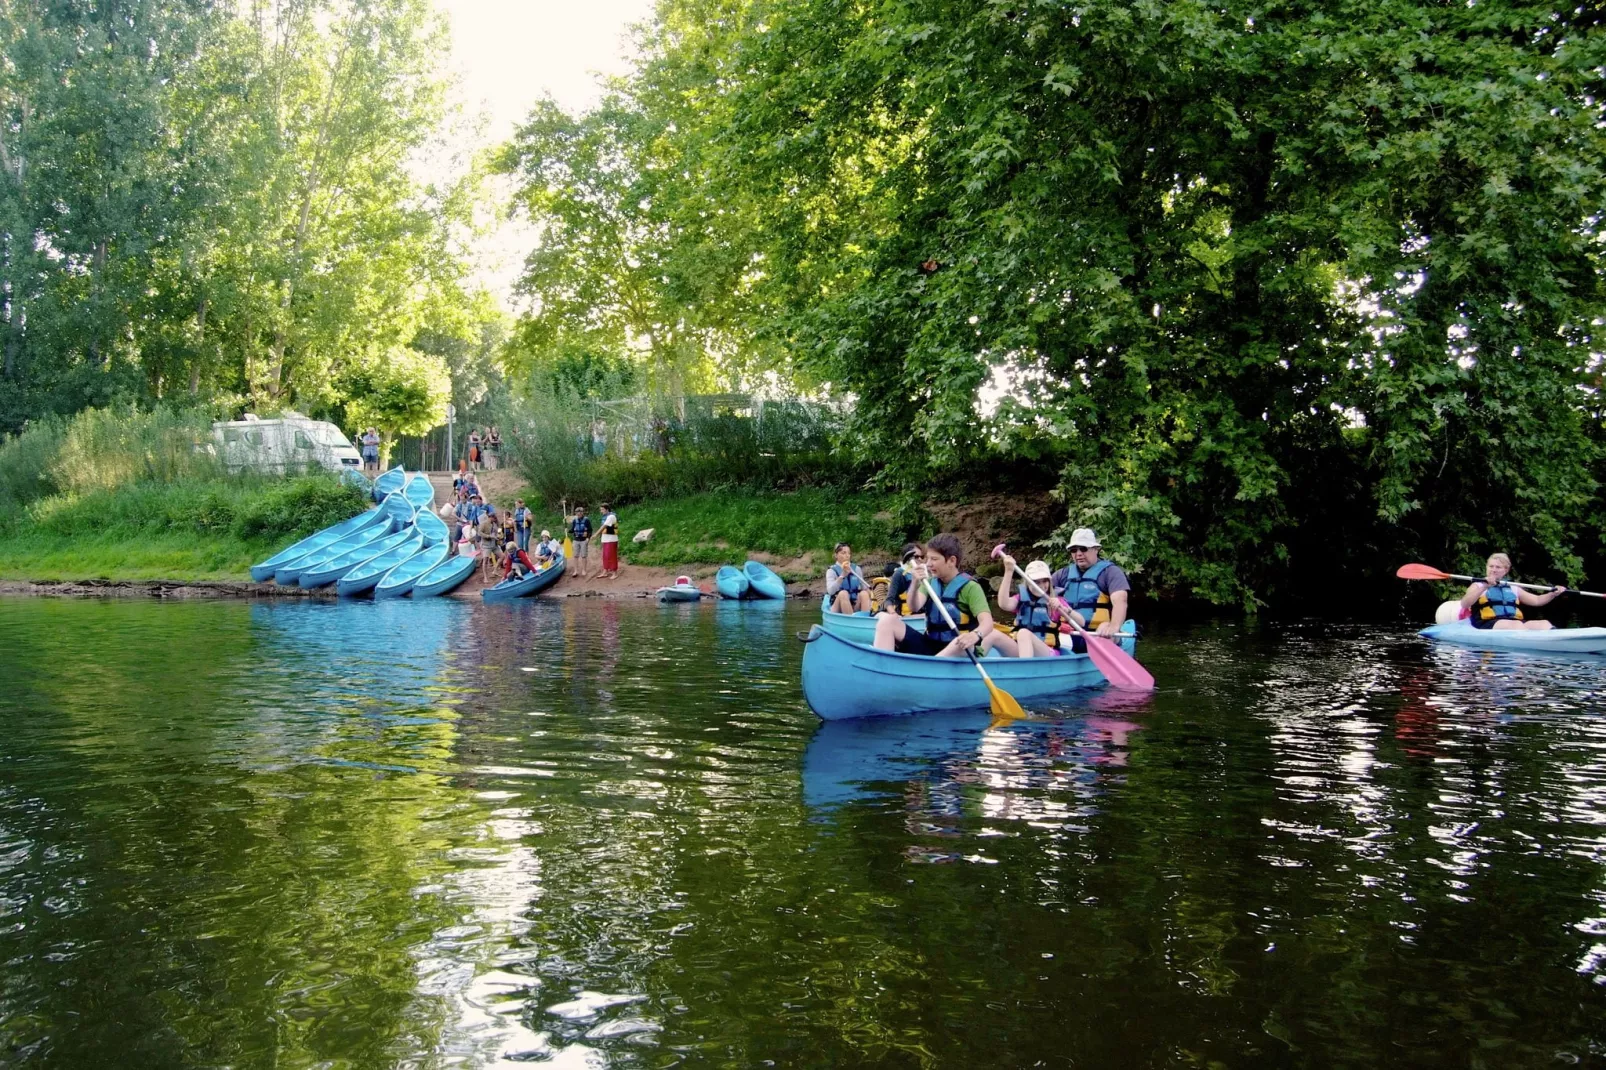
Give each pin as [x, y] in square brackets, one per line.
[99, 449]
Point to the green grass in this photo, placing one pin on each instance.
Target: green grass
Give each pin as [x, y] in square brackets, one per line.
[38, 556]
[725, 527]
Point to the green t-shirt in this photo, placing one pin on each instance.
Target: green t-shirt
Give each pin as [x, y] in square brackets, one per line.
[973, 599]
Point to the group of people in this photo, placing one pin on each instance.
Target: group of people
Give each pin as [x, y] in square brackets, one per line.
[484, 448]
[1050, 609]
[499, 538]
[581, 531]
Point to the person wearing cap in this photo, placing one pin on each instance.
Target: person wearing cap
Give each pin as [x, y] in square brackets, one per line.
[548, 549]
[516, 562]
[1094, 589]
[897, 599]
[845, 586]
[1037, 618]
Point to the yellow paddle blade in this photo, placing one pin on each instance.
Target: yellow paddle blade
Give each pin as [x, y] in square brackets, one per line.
[1004, 704]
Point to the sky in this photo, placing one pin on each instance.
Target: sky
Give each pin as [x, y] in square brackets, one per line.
[507, 53]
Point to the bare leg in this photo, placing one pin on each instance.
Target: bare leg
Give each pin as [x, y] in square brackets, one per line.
[840, 603]
[1537, 625]
[889, 628]
[1005, 645]
[864, 601]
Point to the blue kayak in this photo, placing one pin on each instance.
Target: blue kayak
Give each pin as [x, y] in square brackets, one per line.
[393, 480]
[762, 582]
[419, 491]
[1551, 640]
[842, 679]
[432, 527]
[445, 577]
[679, 592]
[368, 574]
[858, 627]
[731, 582]
[333, 568]
[524, 586]
[380, 526]
[318, 540]
[399, 580]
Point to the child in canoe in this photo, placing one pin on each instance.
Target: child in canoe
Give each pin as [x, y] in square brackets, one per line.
[1037, 633]
[845, 585]
[1497, 604]
[955, 591]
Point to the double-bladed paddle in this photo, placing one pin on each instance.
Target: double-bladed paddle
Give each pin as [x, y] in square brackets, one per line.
[1119, 668]
[1003, 703]
[1428, 572]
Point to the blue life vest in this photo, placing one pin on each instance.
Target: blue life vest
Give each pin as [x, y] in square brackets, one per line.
[1498, 602]
[1083, 595]
[521, 518]
[852, 582]
[936, 625]
[1032, 614]
[581, 528]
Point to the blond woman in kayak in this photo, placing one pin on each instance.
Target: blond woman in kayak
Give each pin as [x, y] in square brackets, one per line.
[1494, 603]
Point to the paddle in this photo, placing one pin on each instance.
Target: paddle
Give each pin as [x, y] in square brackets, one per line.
[1003, 703]
[1119, 668]
[1428, 572]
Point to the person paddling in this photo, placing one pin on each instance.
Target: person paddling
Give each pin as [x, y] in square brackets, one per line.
[1497, 604]
[844, 583]
[955, 590]
[1095, 590]
[897, 599]
[1037, 618]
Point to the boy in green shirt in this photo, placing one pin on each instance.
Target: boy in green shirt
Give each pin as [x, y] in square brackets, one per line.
[963, 597]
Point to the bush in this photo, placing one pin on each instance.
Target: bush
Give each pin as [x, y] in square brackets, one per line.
[249, 508]
[298, 507]
[103, 448]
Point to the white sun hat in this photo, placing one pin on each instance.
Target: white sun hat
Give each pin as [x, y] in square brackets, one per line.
[1039, 570]
[1083, 537]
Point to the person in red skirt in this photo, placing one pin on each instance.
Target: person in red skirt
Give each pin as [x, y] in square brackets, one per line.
[609, 531]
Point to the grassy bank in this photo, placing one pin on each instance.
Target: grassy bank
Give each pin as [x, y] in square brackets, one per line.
[197, 529]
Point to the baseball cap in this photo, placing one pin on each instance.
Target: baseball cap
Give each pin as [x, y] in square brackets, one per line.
[1039, 570]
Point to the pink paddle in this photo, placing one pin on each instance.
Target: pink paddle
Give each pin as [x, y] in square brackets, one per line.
[1119, 668]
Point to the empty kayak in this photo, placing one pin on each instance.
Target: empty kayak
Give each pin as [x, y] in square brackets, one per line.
[395, 479]
[368, 574]
[381, 526]
[445, 577]
[399, 580]
[858, 627]
[318, 540]
[842, 679]
[333, 568]
[419, 491]
[1552, 640]
[524, 586]
[763, 583]
[432, 527]
[731, 582]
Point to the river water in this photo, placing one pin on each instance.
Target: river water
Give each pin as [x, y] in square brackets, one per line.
[596, 833]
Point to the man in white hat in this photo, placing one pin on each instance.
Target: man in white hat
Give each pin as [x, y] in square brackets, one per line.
[1095, 589]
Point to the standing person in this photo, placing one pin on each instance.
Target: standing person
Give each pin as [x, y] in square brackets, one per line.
[1497, 604]
[370, 452]
[610, 543]
[580, 535]
[845, 587]
[521, 524]
[956, 592]
[474, 450]
[460, 480]
[1095, 590]
[493, 448]
[490, 538]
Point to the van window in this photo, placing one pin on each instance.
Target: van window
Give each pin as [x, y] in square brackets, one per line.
[302, 441]
[230, 436]
[254, 437]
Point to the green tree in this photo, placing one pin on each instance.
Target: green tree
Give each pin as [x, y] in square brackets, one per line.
[404, 392]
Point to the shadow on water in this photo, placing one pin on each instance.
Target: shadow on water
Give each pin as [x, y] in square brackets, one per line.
[604, 833]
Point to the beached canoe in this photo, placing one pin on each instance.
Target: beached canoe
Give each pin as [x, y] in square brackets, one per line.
[419, 491]
[356, 479]
[399, 581]
[842, 679]
[368, 574]
[524, 586]
[432, 527]
[679, 592]
[445, 577]
[318, 540]
[1551, 641]
[332, 569]
[731, 582]
[399, 509]
[762, 583]
[395, 479]
[380, 526]
[858, 627]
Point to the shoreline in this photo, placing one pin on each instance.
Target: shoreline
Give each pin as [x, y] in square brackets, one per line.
[250, 590]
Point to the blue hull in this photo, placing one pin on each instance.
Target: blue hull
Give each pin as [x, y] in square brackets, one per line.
[678, 593]
[334, 568]
[366, 576]
[432, 527]
[1552, 641]
[318, 540]
[419, 491]
[859, 627]
[731, 582]
[842, 680]
[445, 577]
[763, 583]
[534, 583]
[399, 581]
[380, 527]
[389, 481]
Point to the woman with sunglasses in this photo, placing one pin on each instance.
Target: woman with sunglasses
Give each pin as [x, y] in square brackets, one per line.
[1095, 589]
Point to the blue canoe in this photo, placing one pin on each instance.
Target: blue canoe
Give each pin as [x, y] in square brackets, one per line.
[679, 592]
[432, 527]
[393, 480]
[333, 568]
[1551, 641]
[731, 582]
[399, 509]
[357, 479]
[843, 679]
[858, 627]
[399, 580]
[380, 526]
[762, 582]
[316, 541]
[524, 586]
[368, 574]
[419, 491]
[445, 577]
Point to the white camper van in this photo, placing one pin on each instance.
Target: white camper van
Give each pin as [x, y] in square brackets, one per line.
[292, 443]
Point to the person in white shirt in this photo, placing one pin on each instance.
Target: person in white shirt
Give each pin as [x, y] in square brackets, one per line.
[610, 542]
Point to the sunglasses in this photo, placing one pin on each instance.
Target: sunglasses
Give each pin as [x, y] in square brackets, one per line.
[1080, 549]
